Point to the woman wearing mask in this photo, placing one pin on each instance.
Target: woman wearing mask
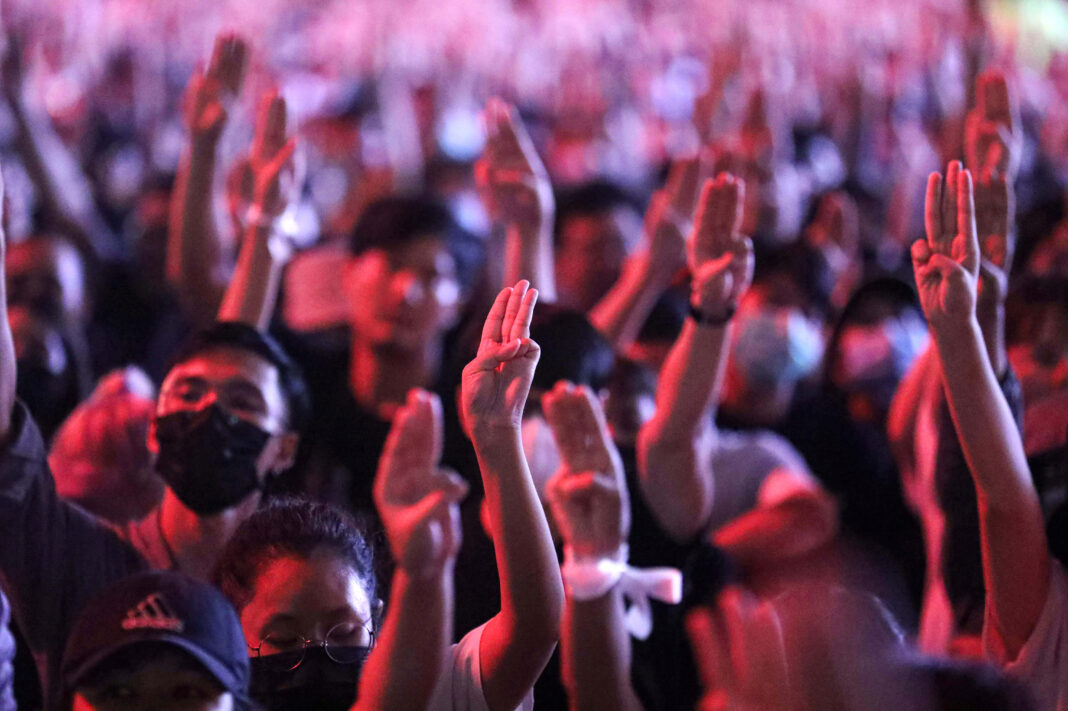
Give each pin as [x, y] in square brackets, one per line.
[300, 577]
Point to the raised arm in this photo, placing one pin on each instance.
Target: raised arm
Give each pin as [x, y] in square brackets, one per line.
[518, 641]
[65, 196]
[418, 505]
[620, 313]
[675, 447]
[1015, 558]
[589, 501]
[992, 149]
[251, 294]
[520, 197]
[195, 262]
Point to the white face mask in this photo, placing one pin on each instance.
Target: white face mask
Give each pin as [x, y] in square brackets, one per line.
[776, 346]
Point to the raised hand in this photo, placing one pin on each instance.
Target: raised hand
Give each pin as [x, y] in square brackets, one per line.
[946, 264]
[995, 206]
[510, 172]
[740, 654]
[721, 259]
[265, 181]
[496, 383]
[211, 93]
[991, 139]
[588, 495]
[416, 499]
[667, 221]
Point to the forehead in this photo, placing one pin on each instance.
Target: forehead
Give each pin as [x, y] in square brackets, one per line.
[306, 589]
[226, 363]
[424, 251]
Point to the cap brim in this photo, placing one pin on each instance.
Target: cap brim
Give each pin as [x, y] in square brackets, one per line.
[212, 665]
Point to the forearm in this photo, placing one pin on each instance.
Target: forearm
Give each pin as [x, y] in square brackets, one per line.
[518, 642]
[251, 295]
[596, 655]
[193, 248]
[65, 195]
[419, 618]
[1015, 555]
[676, 480]
[908, 398]
[792, 528]
[674, 447]
[529, 255]
[620, 313]
[992, 325]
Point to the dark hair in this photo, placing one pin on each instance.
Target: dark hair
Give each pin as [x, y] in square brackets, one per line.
[242, 337]
[571, 349]
[594, 197]
[893, 292]
[290, 527]
[801, 265]
[397, 220]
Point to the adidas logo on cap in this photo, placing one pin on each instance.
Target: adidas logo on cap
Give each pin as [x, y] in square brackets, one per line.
[152, 613]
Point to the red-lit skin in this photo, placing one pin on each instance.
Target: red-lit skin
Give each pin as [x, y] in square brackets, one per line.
[166, 681]
[515, 186]
[403, 301]
[675, 447]
[590, 252]
[48, 270]
[589, 500]
[518, 642]
[195, 253]
[620, 314]
[1016, 566]
[242, 384]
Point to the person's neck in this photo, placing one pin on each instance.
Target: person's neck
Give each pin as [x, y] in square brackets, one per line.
[195, 541]
[381, 376]
[758, 406]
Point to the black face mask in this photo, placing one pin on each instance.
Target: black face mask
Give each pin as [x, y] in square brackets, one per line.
[208, 458]
[319, 682]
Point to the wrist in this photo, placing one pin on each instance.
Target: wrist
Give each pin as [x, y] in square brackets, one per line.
[952, 333]
[488, 436]
[712, 316]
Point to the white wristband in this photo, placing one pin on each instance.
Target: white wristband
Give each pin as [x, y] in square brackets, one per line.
[591, 578]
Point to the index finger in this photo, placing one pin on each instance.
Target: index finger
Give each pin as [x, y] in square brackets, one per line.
[995, 98]
[270, 132]
[682, 184]
[523, 317]
[491, 330]
[932, 209]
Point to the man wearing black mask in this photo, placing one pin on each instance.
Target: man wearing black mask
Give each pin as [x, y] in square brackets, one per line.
[227, 420]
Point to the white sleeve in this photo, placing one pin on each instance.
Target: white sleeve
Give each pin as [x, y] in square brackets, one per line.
[460, 685]
[1042, 663]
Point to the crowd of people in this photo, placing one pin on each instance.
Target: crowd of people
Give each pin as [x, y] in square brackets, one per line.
[616, 361]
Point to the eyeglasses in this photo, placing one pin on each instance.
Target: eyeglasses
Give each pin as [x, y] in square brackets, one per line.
[343, 644]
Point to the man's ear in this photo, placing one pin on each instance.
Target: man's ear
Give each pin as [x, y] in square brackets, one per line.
[286, 452]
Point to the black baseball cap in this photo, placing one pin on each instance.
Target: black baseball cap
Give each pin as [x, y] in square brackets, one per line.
[160, 607]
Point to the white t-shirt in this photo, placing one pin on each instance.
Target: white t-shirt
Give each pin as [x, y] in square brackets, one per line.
[1042, 663]
[460, 686]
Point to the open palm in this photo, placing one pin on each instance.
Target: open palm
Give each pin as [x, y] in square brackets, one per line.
[414, 496]
[496, 383]
[721, 259]
[946, 264]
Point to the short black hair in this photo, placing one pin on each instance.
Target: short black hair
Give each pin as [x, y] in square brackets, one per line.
[242, 337]
[571, 349]
[397, 220]
[593, 197]
[290, 527]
